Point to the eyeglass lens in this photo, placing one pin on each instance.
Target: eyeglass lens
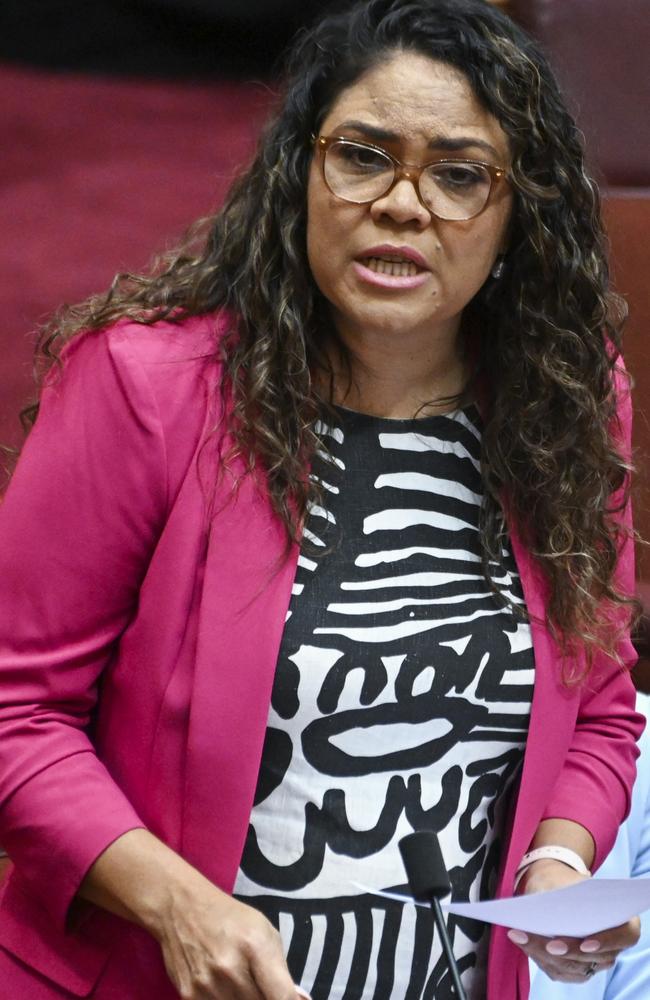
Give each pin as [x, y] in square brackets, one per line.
[452, 191]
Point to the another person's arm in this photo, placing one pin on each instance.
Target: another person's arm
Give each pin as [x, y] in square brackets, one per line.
[630, 978]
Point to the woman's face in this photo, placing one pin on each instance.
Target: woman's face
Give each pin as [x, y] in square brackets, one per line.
[417, 109]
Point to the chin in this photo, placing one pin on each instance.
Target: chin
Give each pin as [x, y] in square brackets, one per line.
[388, 319]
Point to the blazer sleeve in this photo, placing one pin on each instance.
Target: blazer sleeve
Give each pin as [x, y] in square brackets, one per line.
[595, 785]
[77, 527]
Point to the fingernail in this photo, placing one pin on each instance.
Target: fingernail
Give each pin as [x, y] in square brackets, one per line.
[590, 945]
[518, 937]
[302, 993]
[557, 948]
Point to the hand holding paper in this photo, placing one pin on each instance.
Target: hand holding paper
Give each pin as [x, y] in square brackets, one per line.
[577, 911]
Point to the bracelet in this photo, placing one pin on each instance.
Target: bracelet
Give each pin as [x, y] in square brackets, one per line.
[554, 852]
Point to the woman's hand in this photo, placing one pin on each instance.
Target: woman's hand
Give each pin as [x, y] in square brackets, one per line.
[215, 946]
[566, 959]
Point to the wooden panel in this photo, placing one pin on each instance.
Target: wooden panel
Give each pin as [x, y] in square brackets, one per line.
[627, 216]
[628, 221]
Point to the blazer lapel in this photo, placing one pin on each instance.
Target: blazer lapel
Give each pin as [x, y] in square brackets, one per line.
[245, 597]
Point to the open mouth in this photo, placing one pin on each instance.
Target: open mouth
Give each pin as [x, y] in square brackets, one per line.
[396, 268]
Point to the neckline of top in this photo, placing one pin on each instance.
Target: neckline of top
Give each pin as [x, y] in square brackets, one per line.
[470, 412]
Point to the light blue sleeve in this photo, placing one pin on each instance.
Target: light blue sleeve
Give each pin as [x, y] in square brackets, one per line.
[630, 977]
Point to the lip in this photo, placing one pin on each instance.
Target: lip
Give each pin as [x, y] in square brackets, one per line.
[389, 280]
[387, 250]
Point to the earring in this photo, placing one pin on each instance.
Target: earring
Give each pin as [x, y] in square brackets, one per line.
[498, 268]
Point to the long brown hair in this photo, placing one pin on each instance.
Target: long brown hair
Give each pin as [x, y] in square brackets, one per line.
[548, 332]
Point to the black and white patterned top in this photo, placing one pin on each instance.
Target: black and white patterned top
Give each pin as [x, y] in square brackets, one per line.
[401, 701]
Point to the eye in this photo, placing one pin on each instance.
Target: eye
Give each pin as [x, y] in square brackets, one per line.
[362, 159]
[460, 176]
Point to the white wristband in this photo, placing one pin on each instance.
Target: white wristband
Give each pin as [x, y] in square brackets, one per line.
[554, 852]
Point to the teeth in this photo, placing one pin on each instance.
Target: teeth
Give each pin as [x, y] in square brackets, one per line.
[395, 268]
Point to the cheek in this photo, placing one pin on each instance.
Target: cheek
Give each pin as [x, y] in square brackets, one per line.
[318, 256]
[328, 232]
[319, 228]
[476, 248]
[504, 209]
[467, 257]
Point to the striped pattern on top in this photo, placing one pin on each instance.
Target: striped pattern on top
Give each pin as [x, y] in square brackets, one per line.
[401, 701]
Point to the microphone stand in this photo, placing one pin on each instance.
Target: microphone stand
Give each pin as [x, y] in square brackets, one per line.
[428, 879]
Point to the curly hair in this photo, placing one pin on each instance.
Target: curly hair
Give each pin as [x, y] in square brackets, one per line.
[547, 333]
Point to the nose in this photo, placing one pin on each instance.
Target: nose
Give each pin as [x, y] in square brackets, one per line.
[402, 205]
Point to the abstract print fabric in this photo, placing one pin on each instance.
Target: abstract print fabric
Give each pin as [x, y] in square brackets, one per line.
[401, 701]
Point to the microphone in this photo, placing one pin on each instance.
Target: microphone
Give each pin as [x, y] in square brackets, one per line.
[428, 879]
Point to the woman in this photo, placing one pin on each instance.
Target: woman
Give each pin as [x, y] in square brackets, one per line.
[398, 331]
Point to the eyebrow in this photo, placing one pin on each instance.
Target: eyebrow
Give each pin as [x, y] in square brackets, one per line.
[446, 143]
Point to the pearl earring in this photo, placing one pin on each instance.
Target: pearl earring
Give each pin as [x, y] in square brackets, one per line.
[499, 268]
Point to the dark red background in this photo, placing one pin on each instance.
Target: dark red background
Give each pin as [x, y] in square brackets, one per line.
[95, 175]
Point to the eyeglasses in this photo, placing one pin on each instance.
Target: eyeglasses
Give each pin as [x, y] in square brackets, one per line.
[451, 189]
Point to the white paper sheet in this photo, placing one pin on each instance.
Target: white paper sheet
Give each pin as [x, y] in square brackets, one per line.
[575, 911]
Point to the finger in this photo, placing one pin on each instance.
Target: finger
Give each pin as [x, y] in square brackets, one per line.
[563, 973]
[517, 936]
[567, 951]
[227, 980]
[557, 947]
[271, 976]
[569, 972]
[273, 985]
[610, 940]
[237, 985]
[570, 979]
[178, 970]
[590, 946]
[569, 948]
[556, 959]
[615, 938]
[582, 970]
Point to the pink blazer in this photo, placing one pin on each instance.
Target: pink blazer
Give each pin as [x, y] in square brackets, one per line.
[124, 571]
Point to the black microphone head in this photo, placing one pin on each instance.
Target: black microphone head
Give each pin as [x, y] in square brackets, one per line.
[425, 865]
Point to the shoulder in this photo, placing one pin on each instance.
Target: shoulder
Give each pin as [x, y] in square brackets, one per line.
[191, 344]
[151, 388]
[181, 362]
[163, 366]
[190, 341]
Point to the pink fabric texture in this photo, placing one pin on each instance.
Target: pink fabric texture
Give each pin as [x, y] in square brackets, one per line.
[122, 565]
